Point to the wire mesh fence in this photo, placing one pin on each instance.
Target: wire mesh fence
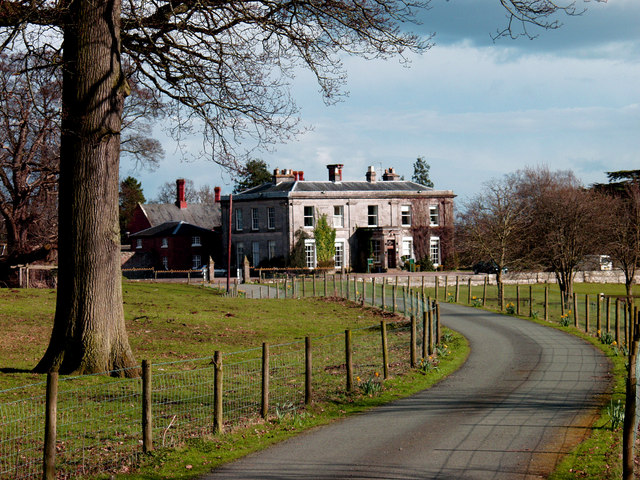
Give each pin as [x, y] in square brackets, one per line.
[99, 418]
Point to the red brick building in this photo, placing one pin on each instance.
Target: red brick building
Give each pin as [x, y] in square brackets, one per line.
[175, 236]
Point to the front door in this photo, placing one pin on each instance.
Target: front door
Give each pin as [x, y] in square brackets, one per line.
[391, 253]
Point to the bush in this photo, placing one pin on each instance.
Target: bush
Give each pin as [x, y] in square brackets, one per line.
[426, 265]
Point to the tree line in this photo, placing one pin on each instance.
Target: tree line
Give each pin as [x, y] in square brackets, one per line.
[540, 219]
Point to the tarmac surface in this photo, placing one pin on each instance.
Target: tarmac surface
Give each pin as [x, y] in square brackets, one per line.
[525, 397]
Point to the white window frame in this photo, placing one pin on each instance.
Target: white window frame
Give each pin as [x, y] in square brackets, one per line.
[434, 214]
[338, 216]
[339, 256]
[271, 218]
[271, 249]
[239, 220]
[372, 215]
[255, 254]
[405, 213]
[309, 219]
[404, 253]
[255, 219]
[164, 243]
[310, 257]
[434, 251]
[138, 243]
[195, 241]
[196, 262]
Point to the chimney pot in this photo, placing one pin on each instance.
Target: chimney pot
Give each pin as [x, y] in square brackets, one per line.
[301, 176]
[216, 193]
[181, 203]
[371, 174]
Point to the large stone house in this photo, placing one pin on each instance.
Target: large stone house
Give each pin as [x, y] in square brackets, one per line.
[379, 223]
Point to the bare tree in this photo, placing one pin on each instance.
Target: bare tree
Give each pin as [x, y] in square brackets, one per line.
[224, 64]
[624, 235]
[566, 223]
[167, 193]
[491, 225]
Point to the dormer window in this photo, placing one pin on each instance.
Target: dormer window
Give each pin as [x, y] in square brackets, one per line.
[165, 243]
[139, 243]
[195, 241]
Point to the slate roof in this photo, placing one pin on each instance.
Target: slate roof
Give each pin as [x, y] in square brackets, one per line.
[284, 189]
[205, 216]
[172, 228]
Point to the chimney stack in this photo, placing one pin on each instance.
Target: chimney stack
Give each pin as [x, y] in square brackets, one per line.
[216, 194]
[181, 203]
[371, 174]
[283, 175]
[390, 175]
[301, 176]
[335, 172]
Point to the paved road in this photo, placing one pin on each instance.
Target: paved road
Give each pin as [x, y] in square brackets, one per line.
[521, 400]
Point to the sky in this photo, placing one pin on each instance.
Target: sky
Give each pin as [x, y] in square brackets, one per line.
[474, 108]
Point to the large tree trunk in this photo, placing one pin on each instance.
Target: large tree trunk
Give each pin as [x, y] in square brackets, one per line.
[89, 333]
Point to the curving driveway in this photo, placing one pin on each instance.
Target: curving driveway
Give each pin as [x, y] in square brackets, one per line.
[523, 398]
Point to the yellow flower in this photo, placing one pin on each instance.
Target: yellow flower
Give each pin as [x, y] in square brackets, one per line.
[614, 343]
[569, 312]
[357, 379]
[377, 374]
[598, 332]
[474, 297]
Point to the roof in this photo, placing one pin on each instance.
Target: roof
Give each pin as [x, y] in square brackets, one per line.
[202, 215]
[172, 228]
[286, 189]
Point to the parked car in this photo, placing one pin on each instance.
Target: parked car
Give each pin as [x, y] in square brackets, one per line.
[487, 267]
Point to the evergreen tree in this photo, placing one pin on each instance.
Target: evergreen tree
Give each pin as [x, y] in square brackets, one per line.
[130, 196]
[421, 172]
[256, 172]
[325, 237]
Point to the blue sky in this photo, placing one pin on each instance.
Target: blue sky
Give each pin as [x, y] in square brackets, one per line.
[474, 108]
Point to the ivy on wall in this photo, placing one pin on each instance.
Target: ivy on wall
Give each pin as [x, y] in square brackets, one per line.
[325, 237]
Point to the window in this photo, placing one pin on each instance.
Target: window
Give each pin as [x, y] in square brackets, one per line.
[255, 220]
[339, 258]
[338, 216]
[434, 215]
[139, 243]
[310, 253]
[239, 224]
[405, 215]
[308, 217]
[197, 262]
[255, 254]
[372, 214]
[271, 246]
[434, 251]
[407, 247]
[165, 263]
[239, 254]
[195, 241]
[165, 243]
[271, 218]
[376, 251]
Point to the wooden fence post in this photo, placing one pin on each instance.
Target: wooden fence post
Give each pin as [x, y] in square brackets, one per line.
[598, 313]
[393, 297]
[325, 284]
[373, 291]
[608, 315]
[546, 303]
[217, 392]
[348, 359]
[617, 320]
[384, 299]
[404, 301]
[425, 331]
[430, 327]
[530, 301]
[385, 349]
[147, 422]
[586, 313]
[457, 289]
[484, 292]
[264, 411]
[628, 434]
[469, 291]
[347, 286]
[437, 281]
[412, 345]
[436, 306]
[308, 369]
[575, 310]
[422, 284]
[364, 291]
[446, 287]
[50, 427]
[517, 299]
[314, 284]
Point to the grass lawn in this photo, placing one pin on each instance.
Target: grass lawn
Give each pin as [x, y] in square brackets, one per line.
[170, 323]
